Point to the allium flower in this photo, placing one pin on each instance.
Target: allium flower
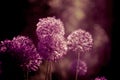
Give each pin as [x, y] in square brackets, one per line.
[82, 67]
[100, 78]
[80, 40]
[52, 47]
[49, 26]
[23, 49]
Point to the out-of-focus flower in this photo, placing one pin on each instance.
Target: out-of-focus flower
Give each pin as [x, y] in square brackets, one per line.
[4, 46]
[49, 26]
[100, 78]
[80, 40]
[52, 47]
[82, 67]
[23, 49]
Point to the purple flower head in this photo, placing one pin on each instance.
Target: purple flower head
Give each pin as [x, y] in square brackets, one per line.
[49, 26]
[80, 40]
[52, 47]
[100, 78]
[82, 67]
[4, 46]
[23, 49]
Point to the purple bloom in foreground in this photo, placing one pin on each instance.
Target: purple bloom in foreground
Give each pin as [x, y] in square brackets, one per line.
[82, 67]
[52, 47]
[49, 26]
[23, 49]
[52, 44]
[100, 78]
[80, 40]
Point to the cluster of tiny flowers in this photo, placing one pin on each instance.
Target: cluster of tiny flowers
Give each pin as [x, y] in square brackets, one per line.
[81, 68]
[49, 26]
[100, 78]
[80, 40]
[52, 44]
[25, 51]
[52, 47]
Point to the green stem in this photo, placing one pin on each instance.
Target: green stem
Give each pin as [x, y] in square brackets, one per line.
[50, 70]
[47, 69]
[27, 75]
[78, 58]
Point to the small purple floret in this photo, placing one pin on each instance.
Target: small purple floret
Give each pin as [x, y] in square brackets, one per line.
[82, 67]
[100, 78]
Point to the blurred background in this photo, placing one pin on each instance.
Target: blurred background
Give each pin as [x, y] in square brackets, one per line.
[19, 17]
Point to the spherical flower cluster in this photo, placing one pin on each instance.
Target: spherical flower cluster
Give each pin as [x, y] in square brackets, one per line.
[100, 78]
[80, 40]
[49, 26]
[81, 68]
[52, 47]
[23, 49]
[51, 44]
